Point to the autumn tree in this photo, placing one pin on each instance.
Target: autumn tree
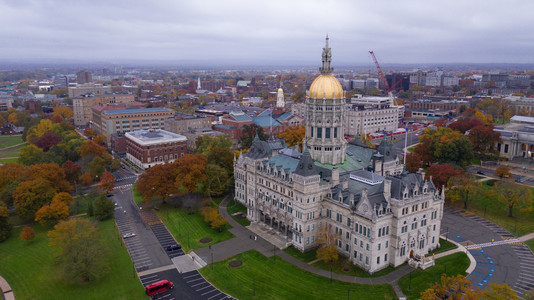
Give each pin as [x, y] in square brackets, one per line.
[49, 215]
[463, 188]
[79, 252]
[11, 174]
[64, 112]
[5, 226]
[30, 196]
[503, 172]
[327, 239]
[499, 292]
[158, 182]
[72, 171]
[248, 133]
[99, 140]
[53, 173]
[37, 131]
[513, 195]
[441, 173]
[31, 155]
[212, 216]
[445, 145]
[293, 135]
[106, 182]
[103, 208]
[206, 143]
[464, 124]
[47, 140]
[190, 172]
[27, 234]
[89, 132]
[453, 287]
[484, 139]
[413, 162]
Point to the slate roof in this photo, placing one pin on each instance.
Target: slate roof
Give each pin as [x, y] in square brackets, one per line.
[409, 180]
[240, 116]
[306, 166]
[265, 121]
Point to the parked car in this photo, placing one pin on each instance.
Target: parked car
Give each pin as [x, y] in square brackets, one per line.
[173, 247]
[128, 235]
[109, 195]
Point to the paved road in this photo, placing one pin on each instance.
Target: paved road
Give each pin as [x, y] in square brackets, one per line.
[512, 263]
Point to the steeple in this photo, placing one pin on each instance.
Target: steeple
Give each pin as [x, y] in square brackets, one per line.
[327, 59]
[198, 84]
[280, 103]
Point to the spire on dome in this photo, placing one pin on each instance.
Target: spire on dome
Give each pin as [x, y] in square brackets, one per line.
[327, 59]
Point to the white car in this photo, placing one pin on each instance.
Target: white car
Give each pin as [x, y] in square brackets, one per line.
[128, 235]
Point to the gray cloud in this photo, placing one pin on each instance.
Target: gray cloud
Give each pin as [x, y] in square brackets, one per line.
[275, 31]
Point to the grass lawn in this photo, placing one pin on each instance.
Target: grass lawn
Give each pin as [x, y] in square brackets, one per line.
[189, 229]
[281, 280]
[455, 264]
[10, 140]
[445, 246]
[30, 271]
[8, 160]
[11, 152]
[489, 208]
[137, 197]
[234, 207]
[341, 264]
[530, 244]
[305, 257]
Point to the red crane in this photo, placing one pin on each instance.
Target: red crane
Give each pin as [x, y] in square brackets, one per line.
[388, 88]
[380, 71]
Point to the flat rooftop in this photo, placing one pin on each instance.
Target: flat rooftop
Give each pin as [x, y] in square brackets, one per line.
[136, 110]
[154, 137]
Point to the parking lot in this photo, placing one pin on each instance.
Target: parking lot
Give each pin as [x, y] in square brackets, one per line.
[149, 279]
[204, 288]
[162, 234]
[139, 256]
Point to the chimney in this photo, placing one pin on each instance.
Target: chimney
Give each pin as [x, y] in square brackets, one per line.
[335, 176]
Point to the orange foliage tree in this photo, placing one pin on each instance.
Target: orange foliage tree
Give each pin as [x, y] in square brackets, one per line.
[27, 234]
[191, 173]
[293, 135]
[327, 251]
[158, 182]
[49, 215]
[30, 196]
[106, 182]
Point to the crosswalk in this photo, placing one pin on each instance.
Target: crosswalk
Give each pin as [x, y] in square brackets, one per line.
[123, 187]
[492, 244]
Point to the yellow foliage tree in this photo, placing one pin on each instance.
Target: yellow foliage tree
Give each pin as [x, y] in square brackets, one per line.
[44, 126]
[49, 215]
[293, 135]
[63, 111]
[327, 251]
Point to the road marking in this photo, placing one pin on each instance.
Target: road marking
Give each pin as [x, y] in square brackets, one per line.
[214, 296]
[194, 280]
[185, 277]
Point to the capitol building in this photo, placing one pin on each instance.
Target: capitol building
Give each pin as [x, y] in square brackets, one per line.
[381, 215]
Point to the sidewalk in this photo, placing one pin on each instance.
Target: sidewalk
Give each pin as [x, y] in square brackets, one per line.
[6, 289]
[526, 237]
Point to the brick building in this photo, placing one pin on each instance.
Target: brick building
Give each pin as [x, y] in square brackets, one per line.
[453, 105]
[185, 122]
[146, 148]
[82, 105]
[110, 119]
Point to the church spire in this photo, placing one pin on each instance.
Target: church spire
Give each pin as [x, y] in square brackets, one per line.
[327, 59]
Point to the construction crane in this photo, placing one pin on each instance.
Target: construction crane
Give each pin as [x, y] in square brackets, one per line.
[383, 77]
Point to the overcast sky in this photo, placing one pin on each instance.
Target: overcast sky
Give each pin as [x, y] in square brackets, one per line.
[268, 31]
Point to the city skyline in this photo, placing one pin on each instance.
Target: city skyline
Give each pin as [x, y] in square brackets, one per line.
[274, 32]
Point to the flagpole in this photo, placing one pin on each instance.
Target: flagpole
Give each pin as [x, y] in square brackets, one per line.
[405, 144]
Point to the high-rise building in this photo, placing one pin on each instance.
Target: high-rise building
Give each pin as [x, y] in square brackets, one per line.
[83, 77]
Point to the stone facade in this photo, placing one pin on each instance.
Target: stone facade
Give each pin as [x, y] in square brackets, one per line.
[82, 105]
[381, 216]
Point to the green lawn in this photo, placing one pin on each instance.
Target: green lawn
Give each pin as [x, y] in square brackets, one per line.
[10, 140]
[454, 264]
[281, 280]
[342, 264]
[8, 160]
[445, 246]
[31, 273]
[305, 257]
[234, 207]
[489, 208]
[11, 152]
[530, 244]
[137, 197]
[189, 229]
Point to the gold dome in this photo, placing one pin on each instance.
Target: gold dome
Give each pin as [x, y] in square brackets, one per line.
[326, 86]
